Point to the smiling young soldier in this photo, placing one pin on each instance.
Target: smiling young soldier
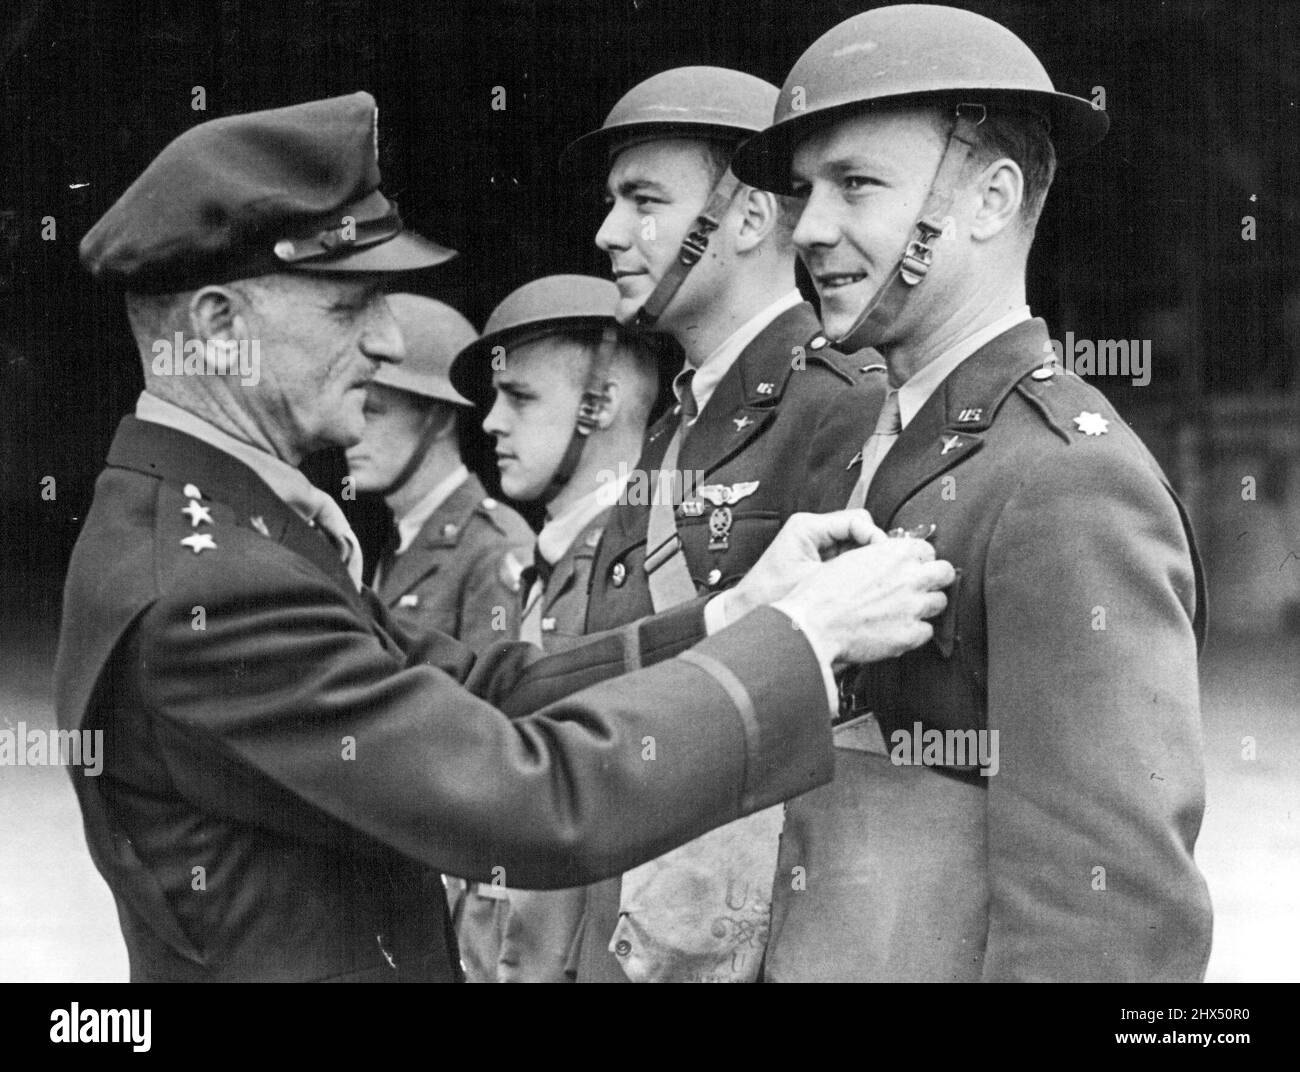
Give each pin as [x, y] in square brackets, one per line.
[284, 777]
[451, 563]
[709, 262]
[1058, 699]
[569, 395]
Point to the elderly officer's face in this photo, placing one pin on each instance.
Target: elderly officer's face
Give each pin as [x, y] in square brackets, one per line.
[655, 192]
[394, 423]
[532, 419]
[322, 338]
[863, 182]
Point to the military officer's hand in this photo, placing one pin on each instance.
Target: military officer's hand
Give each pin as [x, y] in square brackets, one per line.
[871, 602]
[798, 550]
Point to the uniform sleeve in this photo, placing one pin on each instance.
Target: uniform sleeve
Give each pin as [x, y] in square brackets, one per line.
[1092, 690]
[287, 687]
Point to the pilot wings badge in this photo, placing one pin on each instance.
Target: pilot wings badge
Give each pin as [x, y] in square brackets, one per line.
[724, 497]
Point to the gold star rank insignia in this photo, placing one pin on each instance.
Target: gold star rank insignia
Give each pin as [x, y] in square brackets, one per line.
[198, 513]
[200, 541]
[260, 525]
[1092, 423]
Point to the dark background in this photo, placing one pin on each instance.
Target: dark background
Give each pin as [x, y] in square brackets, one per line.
[1141, 239]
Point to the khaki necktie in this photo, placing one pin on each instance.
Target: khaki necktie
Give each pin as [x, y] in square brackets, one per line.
[888, 426]
[667, 575]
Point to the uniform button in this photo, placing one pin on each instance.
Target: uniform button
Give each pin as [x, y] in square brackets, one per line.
[1044, 373]
[490, 504]
[622, 948]
[449, 531]
[715, 575]
[817, 342]
[618, 574]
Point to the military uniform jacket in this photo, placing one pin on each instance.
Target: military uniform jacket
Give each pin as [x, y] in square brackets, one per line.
[539, 933]
[455, 577]
[564, 597]
[758, 426]
[1072, 633]
[285, 780]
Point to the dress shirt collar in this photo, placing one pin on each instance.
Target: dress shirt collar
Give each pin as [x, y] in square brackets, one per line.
[717, 364]
[558, 533]
[410, 523]
[917, 390]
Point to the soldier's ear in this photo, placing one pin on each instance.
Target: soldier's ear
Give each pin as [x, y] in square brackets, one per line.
[998, 192]
[759, 213]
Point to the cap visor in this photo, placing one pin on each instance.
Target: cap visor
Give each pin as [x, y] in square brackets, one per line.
[406, 252]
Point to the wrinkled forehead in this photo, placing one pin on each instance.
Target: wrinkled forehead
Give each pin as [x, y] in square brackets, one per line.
[900, 139]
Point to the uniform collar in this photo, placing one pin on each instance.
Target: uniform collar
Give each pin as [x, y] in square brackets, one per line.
[558, 534]
[203, 471]
[717, 364]
[410, 523]
[914, 393]
[288, 483]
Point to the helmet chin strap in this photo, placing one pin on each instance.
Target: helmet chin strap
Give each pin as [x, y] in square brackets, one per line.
[914, 261]
[430, 430]
[589, 404]
[693, 248]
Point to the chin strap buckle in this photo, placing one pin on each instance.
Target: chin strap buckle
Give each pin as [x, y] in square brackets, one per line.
[919, 254]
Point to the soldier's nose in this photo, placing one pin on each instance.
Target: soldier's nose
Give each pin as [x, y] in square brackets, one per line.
[816, 226]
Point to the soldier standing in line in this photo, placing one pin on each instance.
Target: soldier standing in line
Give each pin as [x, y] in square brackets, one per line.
[1019, 798]
[452, 560]
[569, 395]
[708, 261]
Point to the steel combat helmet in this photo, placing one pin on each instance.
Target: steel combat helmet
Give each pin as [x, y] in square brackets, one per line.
[919, 54]
[706, 103]
[554, 304]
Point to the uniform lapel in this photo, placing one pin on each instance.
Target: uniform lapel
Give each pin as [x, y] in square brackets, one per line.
[627, 522]
[565, 573]
[950, 426]
[746, 398]
[441, 531]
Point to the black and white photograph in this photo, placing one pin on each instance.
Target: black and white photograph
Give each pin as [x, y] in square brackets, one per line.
[661, 491]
